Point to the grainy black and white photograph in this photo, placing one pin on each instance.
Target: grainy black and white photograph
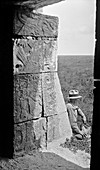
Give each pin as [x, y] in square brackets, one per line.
[54, 54]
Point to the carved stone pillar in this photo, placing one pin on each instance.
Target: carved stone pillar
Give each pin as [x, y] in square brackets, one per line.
[39, 110]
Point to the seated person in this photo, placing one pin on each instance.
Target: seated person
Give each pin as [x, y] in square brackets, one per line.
[73, 112]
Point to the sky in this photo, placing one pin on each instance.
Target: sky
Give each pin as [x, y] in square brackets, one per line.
[76, 26]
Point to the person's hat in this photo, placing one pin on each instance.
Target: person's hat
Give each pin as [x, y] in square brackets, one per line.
[74, 94]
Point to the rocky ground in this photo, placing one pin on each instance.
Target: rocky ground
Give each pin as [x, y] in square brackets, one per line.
[39, 161]
[74, 145]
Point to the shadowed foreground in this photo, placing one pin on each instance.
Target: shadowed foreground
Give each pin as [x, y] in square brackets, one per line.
[39, 161]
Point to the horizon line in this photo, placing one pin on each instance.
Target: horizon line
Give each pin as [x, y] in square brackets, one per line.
[76, 54]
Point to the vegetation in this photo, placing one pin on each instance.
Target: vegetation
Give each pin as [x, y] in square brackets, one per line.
[76, 72]
[75, 145]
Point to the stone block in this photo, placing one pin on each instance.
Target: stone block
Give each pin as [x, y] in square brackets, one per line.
[61, 106]
[53, 132]
[55, 104]
[36, 134]
[27, 55]
[31, 55]
[27, 23]
[50, 55]
[30, 137]
[40, 131]
[19, 138]
[64, 126]
[27, 97]
[49, 94]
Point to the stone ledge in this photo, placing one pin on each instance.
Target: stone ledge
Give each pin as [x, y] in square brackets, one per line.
[35, 4]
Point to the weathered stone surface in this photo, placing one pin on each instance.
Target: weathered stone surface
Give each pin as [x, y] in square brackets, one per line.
[52, 96]
[61, 107]
[35, 4]
[27, 97]
[19, 138]
[37, 90]
[53, 128]
[64, 124]
[40, 131]
[29, 136]
[50, 55]
[49, 94]
[31, 142]
[36, 134]
[28, 57]
[54, 102]
[32, 24]
[31, 55]
[58, 126]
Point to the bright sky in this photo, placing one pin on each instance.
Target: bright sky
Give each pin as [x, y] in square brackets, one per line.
[76, 26]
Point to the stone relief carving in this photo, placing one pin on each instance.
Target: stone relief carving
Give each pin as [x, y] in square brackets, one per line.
[40, 130]
[33, 55]
[29, 135]
[27, 54]
[19, 137]
[53, 128]
[49, 55]
[32, 24]
[35, 67]
[28, 97]
[49, 94]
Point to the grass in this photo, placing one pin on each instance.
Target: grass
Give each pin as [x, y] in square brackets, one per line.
[76, 72]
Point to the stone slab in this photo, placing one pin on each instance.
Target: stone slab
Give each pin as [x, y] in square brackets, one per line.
[30, 135]
[61, 107]
[52, 95]
[54, 102]
[64, 126]
[40, 131]
[58, 126]
[49, 94]
[27, 23]
[34, 55]
[27, 55]
[50, 54]
[35, 134]
[19, 138]
[27, 97]
[53, 132]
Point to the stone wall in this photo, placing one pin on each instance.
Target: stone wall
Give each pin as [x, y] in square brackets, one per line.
[39, 110]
